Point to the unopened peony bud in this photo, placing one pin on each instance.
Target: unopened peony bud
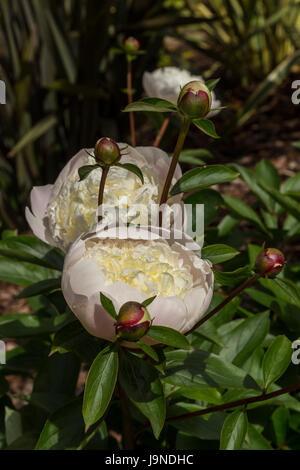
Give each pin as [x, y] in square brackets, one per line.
[269, 262]
[194, 100]
[133, 321]
[131, 45]
[107, 151]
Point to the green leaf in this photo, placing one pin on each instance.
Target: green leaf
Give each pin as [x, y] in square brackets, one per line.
[265, 88]
[64, 429]
[218, 253]
[132, 168]
[151, 105]
[141, 383]
[149, 301]
[199, 369]
[201, 178]
[207, 331]
[234, 431]
[23, 273]
[283, 289]
[206, 126]
[209, 394]
[265, 171]
[234, 277]
[276, 359]
[242, 341]
[195, 156]
[280, 423]
[33, 250]
[204, 427]
[148, 350]
[37, 131]
[108, 306]
[211, 199]
[250, 179]
[285, 201]
[41, 287]
[63, 46]
[243, 210]
[18, 325]
[165, 335]
[75, 338]
[100, 385]
[211, 84]
[84, 171]
[255, 441]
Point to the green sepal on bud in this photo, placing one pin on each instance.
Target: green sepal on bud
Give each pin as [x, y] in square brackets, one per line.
[107, 151]
[131, 45]
[133, 322]
[269, 262]
[194, 100]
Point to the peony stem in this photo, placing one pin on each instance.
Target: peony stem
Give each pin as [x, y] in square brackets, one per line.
[233, 294]
[226, 406]
[161, 132]
[101, 191]
[178, 147]
[127, 438]
[129, 93]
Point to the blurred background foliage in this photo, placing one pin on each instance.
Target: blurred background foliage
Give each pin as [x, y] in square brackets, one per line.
[65, 80]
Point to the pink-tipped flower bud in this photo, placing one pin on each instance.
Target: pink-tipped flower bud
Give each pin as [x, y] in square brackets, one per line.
[194, 100]
[107, 151]
[269, 262]
[131, 45]
[133, 321]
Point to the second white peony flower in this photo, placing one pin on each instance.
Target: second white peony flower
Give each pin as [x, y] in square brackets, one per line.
[135, 264]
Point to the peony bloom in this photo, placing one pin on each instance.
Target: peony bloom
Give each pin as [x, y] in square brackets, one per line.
[167, 82]
[61, 212]
[135, 265]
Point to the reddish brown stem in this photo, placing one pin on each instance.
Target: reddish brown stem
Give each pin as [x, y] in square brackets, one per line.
[233, 294]
[226, 406]
[129, 93]
[161, 132]
[101, 192]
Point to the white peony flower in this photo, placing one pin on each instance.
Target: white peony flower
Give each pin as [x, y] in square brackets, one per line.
[166, 83]
[61, 212]
[132, 266]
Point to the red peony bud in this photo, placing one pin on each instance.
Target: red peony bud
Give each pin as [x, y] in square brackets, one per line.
[194, 100]
[133, 321]
[107, 151]
[269, 262]
[131, 45]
